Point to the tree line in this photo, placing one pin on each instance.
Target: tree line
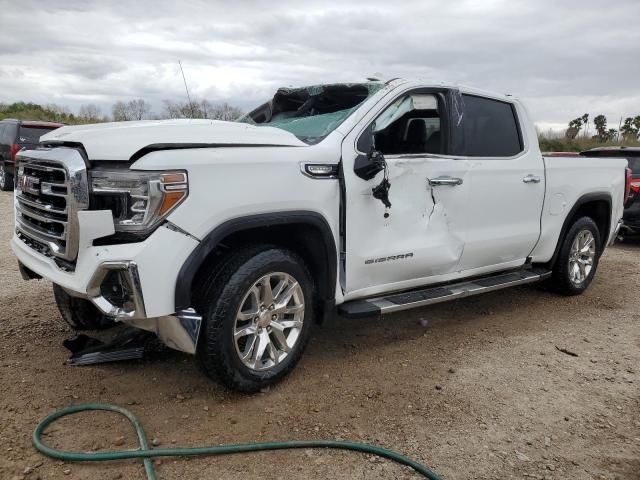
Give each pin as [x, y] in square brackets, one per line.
[628, 131]
[137, 109]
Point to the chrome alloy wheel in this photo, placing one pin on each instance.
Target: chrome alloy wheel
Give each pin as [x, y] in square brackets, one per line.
[269, 321]
[581, 257]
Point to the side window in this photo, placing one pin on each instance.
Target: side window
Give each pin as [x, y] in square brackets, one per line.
[9, 133]
[2, 135]
[410, 125]
[490, 128]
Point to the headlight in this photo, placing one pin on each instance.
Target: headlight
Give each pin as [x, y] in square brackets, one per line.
[139, 200]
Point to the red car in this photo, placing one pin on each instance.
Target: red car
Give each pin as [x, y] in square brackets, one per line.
[14, 136]
[631, 218]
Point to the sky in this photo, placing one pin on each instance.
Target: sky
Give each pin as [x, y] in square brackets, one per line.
[562, 57]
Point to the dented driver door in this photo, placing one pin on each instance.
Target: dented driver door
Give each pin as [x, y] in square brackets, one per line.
[421, 238]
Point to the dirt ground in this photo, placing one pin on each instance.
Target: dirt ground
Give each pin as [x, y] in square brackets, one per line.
[481, 392]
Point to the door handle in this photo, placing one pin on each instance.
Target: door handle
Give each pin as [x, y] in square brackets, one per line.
[445, 180]
[531, 179]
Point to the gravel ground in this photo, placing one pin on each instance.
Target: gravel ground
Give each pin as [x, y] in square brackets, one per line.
[481, 392]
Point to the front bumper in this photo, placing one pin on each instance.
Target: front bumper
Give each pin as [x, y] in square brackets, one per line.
[148, 269]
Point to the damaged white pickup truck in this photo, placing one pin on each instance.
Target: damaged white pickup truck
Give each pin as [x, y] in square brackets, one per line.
[230, 239]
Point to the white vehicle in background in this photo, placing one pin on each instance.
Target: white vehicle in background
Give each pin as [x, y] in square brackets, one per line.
[229, 239]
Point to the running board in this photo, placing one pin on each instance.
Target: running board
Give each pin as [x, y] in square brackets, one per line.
[428, 296]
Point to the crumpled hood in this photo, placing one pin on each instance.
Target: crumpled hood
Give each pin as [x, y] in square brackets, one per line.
[121, 140]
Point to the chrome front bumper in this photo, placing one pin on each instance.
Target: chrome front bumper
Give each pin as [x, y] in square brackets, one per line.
[179, 331]
[106, 274]
[128, 278]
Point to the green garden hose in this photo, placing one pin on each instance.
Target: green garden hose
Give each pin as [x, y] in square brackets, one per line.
[147, 453]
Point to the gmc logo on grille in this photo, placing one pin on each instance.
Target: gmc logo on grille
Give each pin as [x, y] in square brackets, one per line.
[29, 184]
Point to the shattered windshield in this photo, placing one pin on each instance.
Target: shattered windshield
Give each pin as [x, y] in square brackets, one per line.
[311, 113]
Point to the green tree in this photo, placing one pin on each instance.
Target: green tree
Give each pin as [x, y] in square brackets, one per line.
[33, 111]
[636, 123]
[630, 127]
[575, 125]
[600, 122]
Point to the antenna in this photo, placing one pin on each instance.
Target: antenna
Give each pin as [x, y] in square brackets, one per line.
[187, 89]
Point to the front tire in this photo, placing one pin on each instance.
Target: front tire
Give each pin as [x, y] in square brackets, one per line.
[6, 179]
[79, 313]
[578, 259]
[258, 313]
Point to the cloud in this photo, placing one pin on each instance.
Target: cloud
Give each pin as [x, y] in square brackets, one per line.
[564, 58]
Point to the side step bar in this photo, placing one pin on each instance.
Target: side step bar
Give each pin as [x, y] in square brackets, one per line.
[428, 296]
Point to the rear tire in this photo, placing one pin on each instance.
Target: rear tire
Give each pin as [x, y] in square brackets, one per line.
[578, 259]
[6, 179]
[79, 313]
[254, 335]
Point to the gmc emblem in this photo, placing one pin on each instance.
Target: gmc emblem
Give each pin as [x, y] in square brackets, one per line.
[29, 184]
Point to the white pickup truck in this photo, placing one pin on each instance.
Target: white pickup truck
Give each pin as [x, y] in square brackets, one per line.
[230, 239]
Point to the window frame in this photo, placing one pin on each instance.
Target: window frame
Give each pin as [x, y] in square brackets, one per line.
[363, 139]
[524, 147]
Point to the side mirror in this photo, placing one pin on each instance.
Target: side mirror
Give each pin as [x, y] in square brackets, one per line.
[369, 165]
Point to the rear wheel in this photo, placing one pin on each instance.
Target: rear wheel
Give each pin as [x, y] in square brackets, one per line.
[578, 258]
[258, 314]
[6, 179]
[79, 313]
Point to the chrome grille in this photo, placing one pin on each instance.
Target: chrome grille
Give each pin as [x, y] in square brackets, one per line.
[51, 187]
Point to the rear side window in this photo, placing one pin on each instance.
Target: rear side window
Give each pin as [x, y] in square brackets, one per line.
[634, 165]
[490, 128]
[7, 133]
[29, 134]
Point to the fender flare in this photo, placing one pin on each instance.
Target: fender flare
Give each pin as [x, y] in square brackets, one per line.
[566, 225]
[213, 239]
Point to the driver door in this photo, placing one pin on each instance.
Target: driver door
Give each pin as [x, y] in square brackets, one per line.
[420, 238]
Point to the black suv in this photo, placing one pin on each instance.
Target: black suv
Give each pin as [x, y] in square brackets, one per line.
[631, 216]
[14, 136]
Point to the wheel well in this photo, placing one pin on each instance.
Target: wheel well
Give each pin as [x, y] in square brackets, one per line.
[594, 206]
[600, 212]
[304, 240]
[309, 236]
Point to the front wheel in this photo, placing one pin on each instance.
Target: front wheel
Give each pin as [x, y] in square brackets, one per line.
[578, 258]
[79, 313]
[257, 317]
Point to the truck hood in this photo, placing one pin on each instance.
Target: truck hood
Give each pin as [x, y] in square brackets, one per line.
[122, 140]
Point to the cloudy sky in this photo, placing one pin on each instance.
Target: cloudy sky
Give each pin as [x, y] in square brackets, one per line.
[564, 57]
